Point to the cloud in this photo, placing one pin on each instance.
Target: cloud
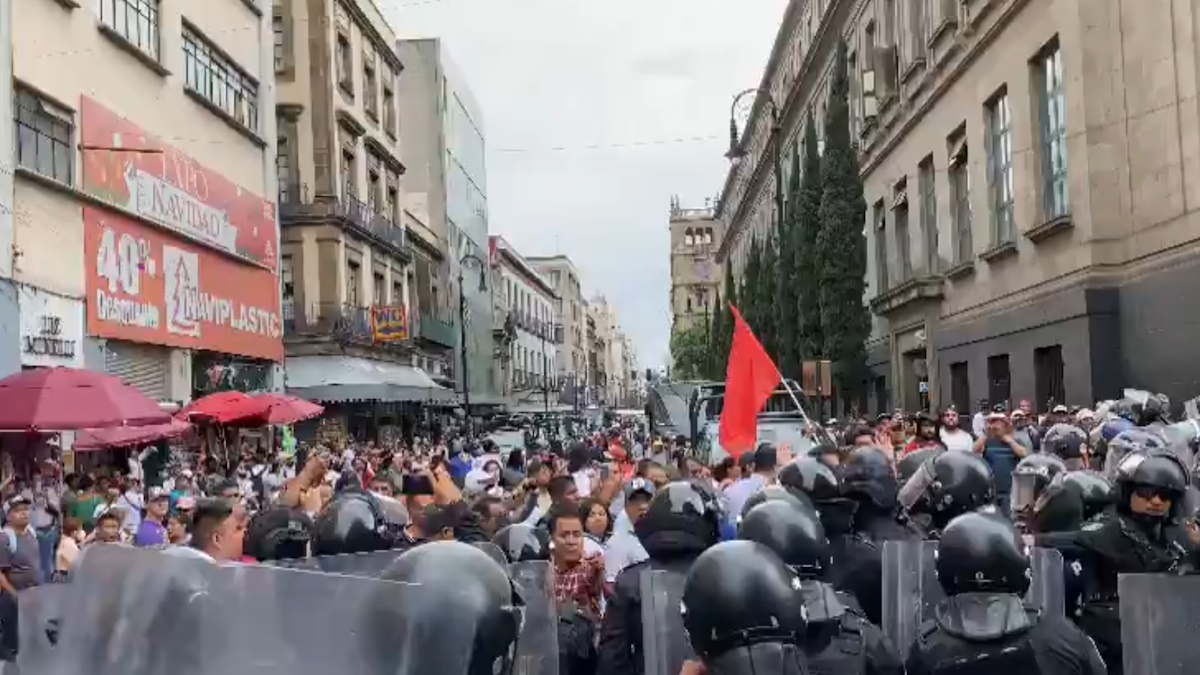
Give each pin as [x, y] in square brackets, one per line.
[595, 113]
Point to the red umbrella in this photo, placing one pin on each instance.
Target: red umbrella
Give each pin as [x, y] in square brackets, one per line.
[119, 437]
[67, 399]
[225, 407]
[288, 409]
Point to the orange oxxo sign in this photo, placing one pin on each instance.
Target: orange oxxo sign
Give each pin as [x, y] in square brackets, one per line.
[205, 278]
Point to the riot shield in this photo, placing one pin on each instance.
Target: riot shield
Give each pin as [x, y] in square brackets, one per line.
[665, 644]
[494, 552]
[39, 615]
[370, 565]
[1156, 612]
[537, 646]
[911, 590]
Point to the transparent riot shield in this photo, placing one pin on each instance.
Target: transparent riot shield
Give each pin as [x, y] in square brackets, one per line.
[494, 552]
[537, 647]
[664, 640]
[911, 590]
[370, 565]
[1157, 611]
[40, 615]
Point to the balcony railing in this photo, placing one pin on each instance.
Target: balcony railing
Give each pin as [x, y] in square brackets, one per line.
[525, 321]
[341, 322]
[350, 213]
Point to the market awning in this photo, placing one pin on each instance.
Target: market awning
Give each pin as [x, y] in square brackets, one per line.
[349, 378]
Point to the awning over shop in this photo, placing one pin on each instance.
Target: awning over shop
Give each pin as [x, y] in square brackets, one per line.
[349, 378]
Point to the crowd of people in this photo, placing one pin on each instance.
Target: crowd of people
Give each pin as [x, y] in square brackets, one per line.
[781, 557]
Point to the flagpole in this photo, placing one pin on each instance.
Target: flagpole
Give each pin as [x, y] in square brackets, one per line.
[799, 408]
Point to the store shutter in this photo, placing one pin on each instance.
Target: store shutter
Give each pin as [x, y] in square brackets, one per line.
[145, 367]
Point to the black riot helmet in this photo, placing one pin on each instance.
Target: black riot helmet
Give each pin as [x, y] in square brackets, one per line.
[357, 521]
[683, 518]
[1094, 489]
[1156, 471]
[867, 477]
[1065, 441]
[910, 463]
[774, 493]
[982, 553]
[793, 531]
[279, 533]
[460, 604]
[738, 595]
[522, 542]
[811, 477]
[948, 485]
[1030, 479]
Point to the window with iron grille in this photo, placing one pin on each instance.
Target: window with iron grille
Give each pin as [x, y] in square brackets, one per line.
[1000, 168]
[44, 134]
[881, 256]
[345, 64]
[370, 87]
[389, 104]
[349, 175]
[280, 29]
[134, 20]
[212, 75]
[283, 167]
[1052, 113]
[900, 227]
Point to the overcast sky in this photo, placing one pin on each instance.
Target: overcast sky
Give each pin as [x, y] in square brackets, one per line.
[595, 113]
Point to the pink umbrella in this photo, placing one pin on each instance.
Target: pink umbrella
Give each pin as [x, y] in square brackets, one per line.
[224, 407]
[288, 409]
[66, 399]
[119, 437]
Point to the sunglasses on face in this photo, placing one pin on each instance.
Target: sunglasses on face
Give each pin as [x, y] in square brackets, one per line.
[1149, 492]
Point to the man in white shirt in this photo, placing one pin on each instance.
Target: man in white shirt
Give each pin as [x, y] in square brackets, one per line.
[624, 548]
[953, 437]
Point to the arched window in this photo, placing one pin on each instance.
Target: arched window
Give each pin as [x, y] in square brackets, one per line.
[688, 240]
[708, 235]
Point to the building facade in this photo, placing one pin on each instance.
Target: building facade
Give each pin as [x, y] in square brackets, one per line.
[570, 313]
[1031, 227]
[346, 258]
[140, 234]
[526, 330]
[443, 142]
[695, 275]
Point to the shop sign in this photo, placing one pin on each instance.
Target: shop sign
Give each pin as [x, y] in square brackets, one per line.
[51, 329]
[389, 323]
[144, 285]
[125, 165]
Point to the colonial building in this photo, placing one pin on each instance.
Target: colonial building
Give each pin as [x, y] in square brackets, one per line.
[695, 275]
[569, 312]
[528, 335]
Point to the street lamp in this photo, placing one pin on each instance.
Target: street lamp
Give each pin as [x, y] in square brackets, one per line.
[474, 261]
[736, 152]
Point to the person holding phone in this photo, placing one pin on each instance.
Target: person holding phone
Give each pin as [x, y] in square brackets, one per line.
[1001, 450]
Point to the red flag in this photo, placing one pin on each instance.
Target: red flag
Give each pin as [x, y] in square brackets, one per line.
[750, 379]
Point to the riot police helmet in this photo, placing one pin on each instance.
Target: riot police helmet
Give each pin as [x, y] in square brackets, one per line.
[521, 542]
[740, 594]
[1065, 441]
[982, 553]
[951, 484]
[279, 533]
[461, 608]
[812, 477]
[867, 477]
[1149, 474]
[910, 463]
[793, 531]
[1030, 479]
[1131, 441]
[1095, 489]
[357, 521]
[682, 516]
[771, 493]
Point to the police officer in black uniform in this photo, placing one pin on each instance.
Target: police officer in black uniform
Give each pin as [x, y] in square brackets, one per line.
[1140, 533]
[1041, 500]
[1094, 489]
[839, 639]
[946, 486]
[744, 612]
[823, 487]
[867, 480]
[683, 520]
[982, 627]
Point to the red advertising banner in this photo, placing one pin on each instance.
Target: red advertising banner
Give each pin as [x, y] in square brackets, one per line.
[145, 285]
[127, 166]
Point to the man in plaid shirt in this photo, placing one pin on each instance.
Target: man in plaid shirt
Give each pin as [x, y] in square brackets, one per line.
[578, 581]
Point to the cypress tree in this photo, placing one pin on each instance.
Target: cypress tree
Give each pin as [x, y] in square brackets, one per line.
[750, 283]
[769, 270]
[845, 321]
[808, 257]
[786, 287]
[716, 354]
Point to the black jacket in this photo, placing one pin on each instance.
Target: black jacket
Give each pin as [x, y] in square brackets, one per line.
[850, 645]
[621, 629]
